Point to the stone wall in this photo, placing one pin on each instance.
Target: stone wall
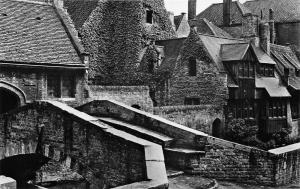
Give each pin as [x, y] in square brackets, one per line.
[33, 83]
[196, 117]
[209, 84]
[102, 155]
[130, 95]
[115, 41]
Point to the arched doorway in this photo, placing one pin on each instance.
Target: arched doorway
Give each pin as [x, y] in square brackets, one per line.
[10, 97]
[216, 128]
[8, 100]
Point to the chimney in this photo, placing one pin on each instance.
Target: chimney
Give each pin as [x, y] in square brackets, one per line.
[192, 9]
[272, 26]
[227, 12]
[171, 17]
[58, 4]
[264, 37]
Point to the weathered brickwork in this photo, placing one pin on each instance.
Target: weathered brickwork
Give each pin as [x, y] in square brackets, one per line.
[196, 117]
[104, 159]
[130, 95]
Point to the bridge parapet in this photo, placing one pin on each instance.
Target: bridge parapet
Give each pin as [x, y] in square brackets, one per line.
[105, 156]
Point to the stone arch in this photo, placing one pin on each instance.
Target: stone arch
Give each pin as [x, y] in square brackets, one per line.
[217, 128]
[15, 96]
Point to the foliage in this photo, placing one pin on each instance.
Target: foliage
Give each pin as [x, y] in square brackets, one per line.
[238, 130]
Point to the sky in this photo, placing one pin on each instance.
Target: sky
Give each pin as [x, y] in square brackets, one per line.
[179, 6]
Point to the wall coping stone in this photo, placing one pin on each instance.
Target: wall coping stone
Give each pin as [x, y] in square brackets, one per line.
[158, 118]
[285, 149]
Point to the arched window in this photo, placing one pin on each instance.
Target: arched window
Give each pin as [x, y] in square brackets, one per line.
[192, 66]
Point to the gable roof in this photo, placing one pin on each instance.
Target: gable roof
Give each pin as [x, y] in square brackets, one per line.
[206, 27]
[214, 13]
[213, 47]
[284, 10]
[232, 52]
[36, 33]
[285, 56]
[80, 10]
[172, 49]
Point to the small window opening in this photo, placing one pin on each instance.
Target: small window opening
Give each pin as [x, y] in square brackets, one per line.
[38, 18]
[149, 16]
[192, 66]
[136, 106]
[151, 66]
[4, 14]
[192, 101]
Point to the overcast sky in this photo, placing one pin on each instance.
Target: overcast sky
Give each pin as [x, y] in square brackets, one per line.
[179, 6]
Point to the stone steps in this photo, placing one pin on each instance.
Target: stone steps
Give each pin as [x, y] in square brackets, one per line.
[182, 158]
[138, 131]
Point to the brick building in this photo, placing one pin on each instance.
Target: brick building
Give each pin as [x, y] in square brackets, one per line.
[41, 58]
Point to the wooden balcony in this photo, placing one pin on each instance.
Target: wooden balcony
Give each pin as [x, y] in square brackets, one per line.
[272, 125]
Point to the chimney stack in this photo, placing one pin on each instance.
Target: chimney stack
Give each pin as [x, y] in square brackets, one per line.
[192, 6]
[264, 37]
[171, 17]
[272, 26]
[227, 12]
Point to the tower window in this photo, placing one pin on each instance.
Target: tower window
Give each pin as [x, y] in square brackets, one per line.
[192, 66]
[149, 16]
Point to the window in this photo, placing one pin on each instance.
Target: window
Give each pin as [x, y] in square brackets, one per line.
[277, 108]
[267, 70]
[59, 86]
[192, 66]
[151, 66]
[149, 16]
[241, 109]
[192, 101]
[295, 107]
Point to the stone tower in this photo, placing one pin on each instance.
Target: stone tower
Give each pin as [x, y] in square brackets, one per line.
[116, 33]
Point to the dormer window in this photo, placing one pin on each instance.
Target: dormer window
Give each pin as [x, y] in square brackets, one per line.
[149, 16]
[192, 66]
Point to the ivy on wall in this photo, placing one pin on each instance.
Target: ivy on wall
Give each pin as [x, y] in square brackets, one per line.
[115, 34]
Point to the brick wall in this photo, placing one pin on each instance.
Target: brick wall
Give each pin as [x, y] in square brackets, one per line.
[130, 95]
[196, 117]
[103, 158]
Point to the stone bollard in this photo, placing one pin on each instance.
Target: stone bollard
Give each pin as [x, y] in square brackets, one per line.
[7, 183]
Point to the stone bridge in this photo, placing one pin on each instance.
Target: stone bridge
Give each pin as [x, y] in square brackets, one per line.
[43, 131]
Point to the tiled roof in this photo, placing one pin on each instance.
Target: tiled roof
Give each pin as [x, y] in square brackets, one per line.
[80, 10]
[272, 86]
[284, 10]
[172, 49]
[214, 13]
[262, 57]
[206, 27]
[285, 56]
[232, 52]
[34, 33]
[213, 47]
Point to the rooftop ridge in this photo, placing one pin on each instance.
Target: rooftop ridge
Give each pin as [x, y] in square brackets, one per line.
[180, 38]
[281, 46]
[221, 37]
